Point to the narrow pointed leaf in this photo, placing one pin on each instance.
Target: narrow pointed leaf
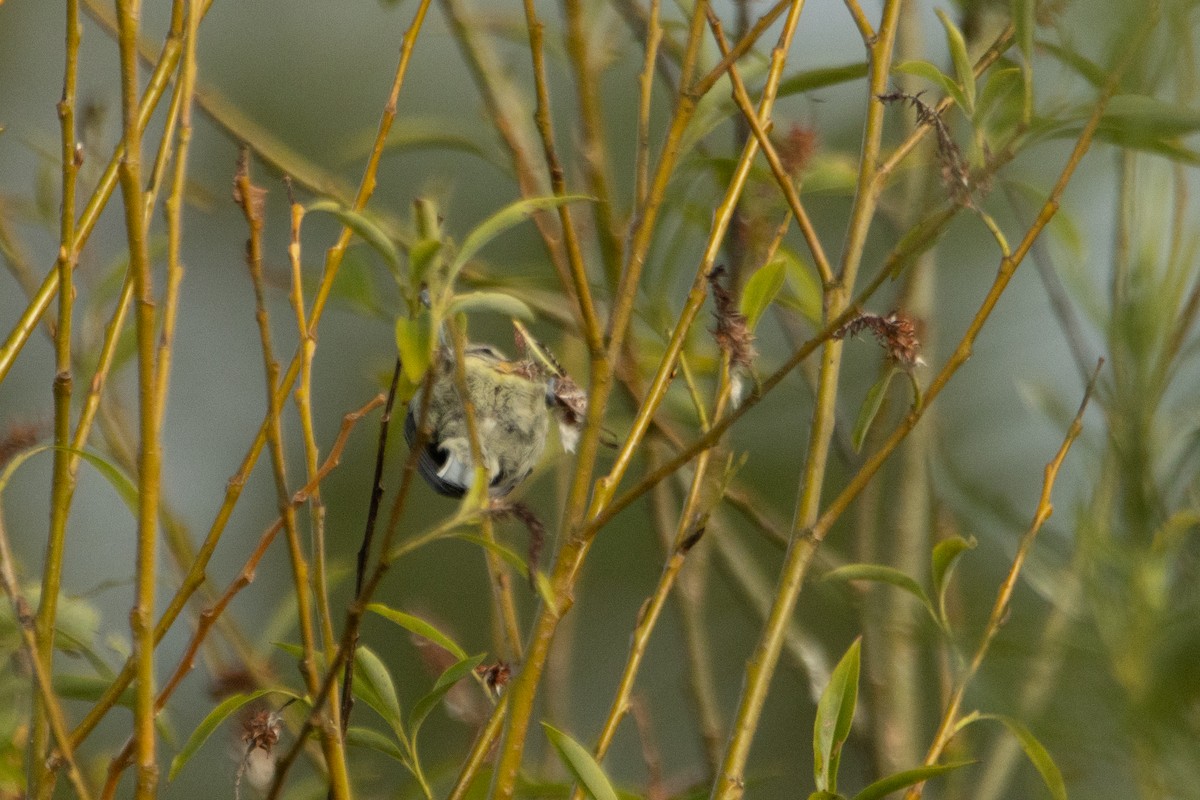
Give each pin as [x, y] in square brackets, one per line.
[374, 740]
[909, 777]
[870, 408]
[579, 761]
[541, 582]
[942, 563]
[420, 627]
[365, 227]
[496, 302]
[121, 482]
[962, 62]
[761, 289]
[213, 720]
[923, 69]
[374, 685]
[822, 77]
[882, 574]
[501, 221]
[444, 683]
[1034, 751]
[835, 713]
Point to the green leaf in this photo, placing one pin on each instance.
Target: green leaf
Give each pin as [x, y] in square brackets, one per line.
[821, 794]
[374, 685]
[422, 258]
[835, 713]
[802, 291]
[89, 687]
[1024, 21]
[820, 78]
[414, 342]
[761, 289]
[501, 221]
[214, 719]
[885, 786]
[420, 627]
[445, 682]
[496, 302]
[121, 482]
[365, 227]
[870, 407]
[1034, 751]
[374, 740]
[882, 574]
[962, 62]
[944, 559]
[545, 591]
[579, 761]
[926, 70]
[1000, 84]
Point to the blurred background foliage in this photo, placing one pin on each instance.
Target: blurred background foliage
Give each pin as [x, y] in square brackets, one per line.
[1099, 653]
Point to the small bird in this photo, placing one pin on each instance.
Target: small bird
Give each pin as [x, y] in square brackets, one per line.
[512, 400]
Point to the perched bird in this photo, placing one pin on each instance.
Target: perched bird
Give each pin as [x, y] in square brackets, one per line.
[513, 402]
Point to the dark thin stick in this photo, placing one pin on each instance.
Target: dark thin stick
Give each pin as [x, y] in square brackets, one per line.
[364, 551]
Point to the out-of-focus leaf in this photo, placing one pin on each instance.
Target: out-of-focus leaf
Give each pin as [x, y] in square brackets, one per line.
[892, 783]
[374, 740]
[421, 258]
[496, 302]
[443, 684]
[802, 291]
[831, 172]
[374, 685]
[870, 407]
[213, 720]
[761, 289]
[365, 227]
[943, 561]
[1034, 751]
[923, 69]
[1000, 84]
[882, 574]
[354, 287]
[579, 761]
[962, 62]
[89, 687]
[110, 472]
[413, 134]
[544, 590]
[819, 78]
[821, 794]
[415, 345]
[835, 713]
[1023, 17]
[420, 627]
[1089, 70]
[502, 220]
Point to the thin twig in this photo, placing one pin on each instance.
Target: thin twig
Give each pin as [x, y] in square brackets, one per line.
[252, 198]
[950, 717]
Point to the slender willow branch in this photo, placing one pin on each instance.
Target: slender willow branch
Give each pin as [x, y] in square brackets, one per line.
[950, 718]
[654, 35]
[786, 184]
[587, 307]
[62, 484]
[149, 453]
[251, 198]
[595, 149]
